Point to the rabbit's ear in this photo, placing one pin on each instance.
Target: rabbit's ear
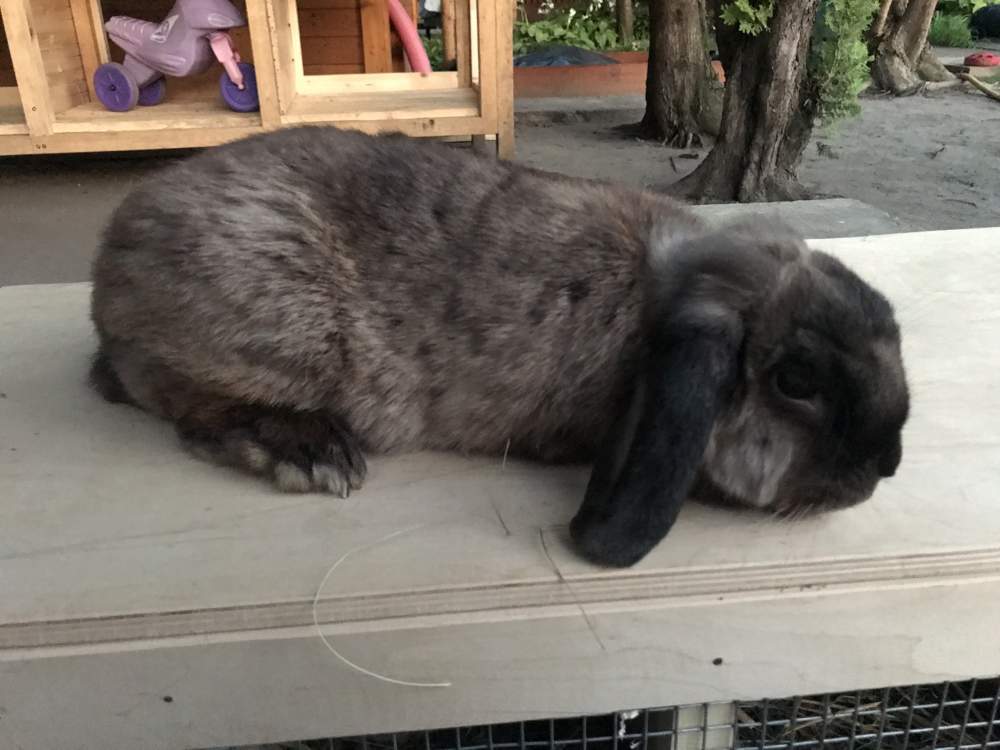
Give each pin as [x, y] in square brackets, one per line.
[651, 457]
[702, 287]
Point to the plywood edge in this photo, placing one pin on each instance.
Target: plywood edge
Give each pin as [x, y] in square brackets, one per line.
[388, 83]
[503, 600]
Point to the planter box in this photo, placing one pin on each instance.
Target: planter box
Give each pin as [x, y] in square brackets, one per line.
[628, 77]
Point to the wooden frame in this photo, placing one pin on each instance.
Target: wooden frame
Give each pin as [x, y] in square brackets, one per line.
[57, 44]
[151, 600]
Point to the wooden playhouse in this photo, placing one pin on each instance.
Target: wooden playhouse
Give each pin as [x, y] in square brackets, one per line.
[317, 61]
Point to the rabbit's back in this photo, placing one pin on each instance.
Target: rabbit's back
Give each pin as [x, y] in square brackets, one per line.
[430, 297]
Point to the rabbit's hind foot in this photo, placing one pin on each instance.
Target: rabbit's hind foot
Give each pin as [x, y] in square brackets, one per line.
[300, 451]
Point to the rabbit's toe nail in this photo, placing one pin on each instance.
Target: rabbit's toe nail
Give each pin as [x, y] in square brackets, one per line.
[331, 479]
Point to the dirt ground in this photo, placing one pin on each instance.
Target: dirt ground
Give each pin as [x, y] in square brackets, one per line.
[933, 161]
[929, 162]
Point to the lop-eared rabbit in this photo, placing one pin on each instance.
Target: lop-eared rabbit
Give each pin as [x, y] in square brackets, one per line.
[297, 299]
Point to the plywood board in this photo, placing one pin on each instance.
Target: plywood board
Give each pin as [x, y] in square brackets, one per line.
[386, 106]
[123, 558]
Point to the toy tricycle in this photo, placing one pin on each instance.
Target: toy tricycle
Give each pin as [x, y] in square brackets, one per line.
[193, 35]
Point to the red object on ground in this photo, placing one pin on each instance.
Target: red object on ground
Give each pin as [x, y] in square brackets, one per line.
[982, 60]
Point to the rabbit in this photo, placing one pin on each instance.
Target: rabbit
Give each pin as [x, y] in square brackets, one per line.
[298, 299]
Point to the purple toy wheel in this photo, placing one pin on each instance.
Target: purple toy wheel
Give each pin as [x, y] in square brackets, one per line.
[116, 87]
[152, 94]
[245, 99]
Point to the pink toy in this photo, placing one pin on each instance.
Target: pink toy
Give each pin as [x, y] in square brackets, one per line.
[410, 37]
[192, 37]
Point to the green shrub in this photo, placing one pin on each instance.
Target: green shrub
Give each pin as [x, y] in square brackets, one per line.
[838, 57]
[594, 27]
[950, 30]
[434, 45]
[588, 31]
[962, 7]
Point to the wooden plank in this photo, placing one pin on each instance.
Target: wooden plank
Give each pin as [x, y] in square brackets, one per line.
[326, 70]
[326, 4]
[286, 49]
[283, 686]
[376, 53]
[13, 141]
[448, 29]
[388, 106]
[172, 114]
[336, 51]
[485, 575]
[265, 69]
[463, 42]
[378, 82]
[121, 140]
[91, 37]
[330, 22]
[29, 66]
[505, 78]
[474, 39]
[486, 33]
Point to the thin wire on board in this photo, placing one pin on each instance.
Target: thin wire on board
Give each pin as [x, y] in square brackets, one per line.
[335, 652]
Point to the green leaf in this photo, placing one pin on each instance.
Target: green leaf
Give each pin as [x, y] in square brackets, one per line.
[748, 16]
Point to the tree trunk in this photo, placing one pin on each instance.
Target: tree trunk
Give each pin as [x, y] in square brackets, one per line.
[898, 40]
[626, 20]
[768, 112]
[680, 84]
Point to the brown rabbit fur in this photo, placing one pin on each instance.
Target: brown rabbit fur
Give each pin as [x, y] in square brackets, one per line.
[294, 299]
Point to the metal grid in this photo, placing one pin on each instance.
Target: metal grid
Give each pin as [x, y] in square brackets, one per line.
[942, 716]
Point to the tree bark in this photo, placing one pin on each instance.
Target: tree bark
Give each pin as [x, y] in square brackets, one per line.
[680, 84]
[626, 20]
[898, 40]
[768, 112]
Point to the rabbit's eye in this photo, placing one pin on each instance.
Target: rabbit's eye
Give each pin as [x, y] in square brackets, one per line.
[795, 383]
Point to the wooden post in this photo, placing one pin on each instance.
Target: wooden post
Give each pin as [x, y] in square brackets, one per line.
[448, 30]
[375, 36]
[29, 68]
[505, 78]
[463, 42]
[286, 49]
[267, 82]
[486, 31]
[89, 22]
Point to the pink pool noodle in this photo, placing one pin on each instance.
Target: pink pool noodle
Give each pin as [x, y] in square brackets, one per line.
[410, 38]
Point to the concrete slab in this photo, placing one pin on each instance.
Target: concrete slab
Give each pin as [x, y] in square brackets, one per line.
[818, 219]
[54, 210]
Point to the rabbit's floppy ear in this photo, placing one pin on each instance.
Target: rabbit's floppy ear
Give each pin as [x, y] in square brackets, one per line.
[651, 457]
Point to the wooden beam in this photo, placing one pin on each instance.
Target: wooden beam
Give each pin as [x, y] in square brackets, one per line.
[264, 63]
[29, 65]
[320, 85]
[486, 30]
[505, 78]
[463, 42]
[448, 29]
[93, 41]
[375, 36]
[286, 49]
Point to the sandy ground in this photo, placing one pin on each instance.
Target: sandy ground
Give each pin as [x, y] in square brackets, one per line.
[930, 162]
[933, 162]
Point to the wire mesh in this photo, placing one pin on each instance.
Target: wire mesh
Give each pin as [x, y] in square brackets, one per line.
[941, 716]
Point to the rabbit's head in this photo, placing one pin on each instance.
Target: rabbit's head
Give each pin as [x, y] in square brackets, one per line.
[772, 378]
